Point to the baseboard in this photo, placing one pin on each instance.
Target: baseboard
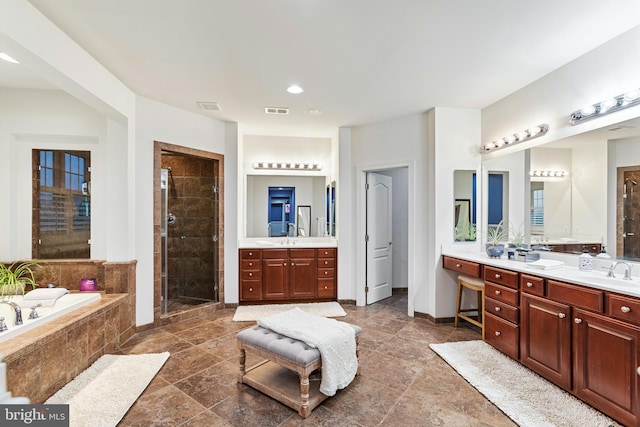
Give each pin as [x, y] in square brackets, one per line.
[437, 321]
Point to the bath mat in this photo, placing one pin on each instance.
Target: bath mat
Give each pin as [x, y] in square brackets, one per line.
[102, 394]
[248, 313]
[524, 396]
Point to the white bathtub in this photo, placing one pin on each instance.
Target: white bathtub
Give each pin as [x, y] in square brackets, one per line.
[64, 304]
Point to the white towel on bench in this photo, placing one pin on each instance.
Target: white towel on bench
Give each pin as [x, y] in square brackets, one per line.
[335, 340]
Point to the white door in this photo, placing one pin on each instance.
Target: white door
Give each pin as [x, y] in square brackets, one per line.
[379, 234]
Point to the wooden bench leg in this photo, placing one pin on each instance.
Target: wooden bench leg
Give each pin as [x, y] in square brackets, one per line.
[242, 356]
[305, 410]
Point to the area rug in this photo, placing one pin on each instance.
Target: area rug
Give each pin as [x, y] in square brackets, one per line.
[102, 394]
[248, 313]
[524, 396]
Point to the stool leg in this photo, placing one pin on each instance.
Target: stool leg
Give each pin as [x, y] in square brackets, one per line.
[458, 302]
[480, 314]
[482, 305]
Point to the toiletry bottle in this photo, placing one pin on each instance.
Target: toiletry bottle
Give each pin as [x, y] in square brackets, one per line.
[603, 253]
[585, 261]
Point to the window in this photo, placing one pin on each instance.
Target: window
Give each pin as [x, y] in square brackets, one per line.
[61, 204]
[537, 208]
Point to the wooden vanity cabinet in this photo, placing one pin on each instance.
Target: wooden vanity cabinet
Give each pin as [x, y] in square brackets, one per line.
[501, 310]
[285, 274]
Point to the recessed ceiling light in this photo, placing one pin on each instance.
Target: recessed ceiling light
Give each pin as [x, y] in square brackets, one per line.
[313, 112]
[295, 89]
[7, 58]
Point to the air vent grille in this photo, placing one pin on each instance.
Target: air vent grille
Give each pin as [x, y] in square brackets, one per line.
[276, 110]
[209, 106]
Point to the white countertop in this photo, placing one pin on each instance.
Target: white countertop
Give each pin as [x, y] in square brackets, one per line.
[596, 278]
[287, 242]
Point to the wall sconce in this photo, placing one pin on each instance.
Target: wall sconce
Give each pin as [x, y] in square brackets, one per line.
[548, 174]
[518, 137]
[606, 106]
[308, 167]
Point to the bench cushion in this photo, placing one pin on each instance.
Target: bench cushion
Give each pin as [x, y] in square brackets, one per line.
[288, 348]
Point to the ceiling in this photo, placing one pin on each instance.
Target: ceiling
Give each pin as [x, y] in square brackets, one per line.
[359, 61]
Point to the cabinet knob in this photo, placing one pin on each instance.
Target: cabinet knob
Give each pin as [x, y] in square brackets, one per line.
[326, 272]
[529, 285]
[625, 309]
[326, 262]
[293, 263]
[250, 289]
[562, 315]
[326, 287]
[498, 292]
[250, 274]
[497, 276]
[458, 265]
[250, 264]
[497, 309]
[497, 333]
[577, 320]
[250, 253]
[285, 264]
[326, 253]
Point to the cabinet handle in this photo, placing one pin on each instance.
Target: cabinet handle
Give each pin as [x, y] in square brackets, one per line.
[326, 272]
[250, 253]
[625, 309]
[293, 263]
[326, 287]
[250, 274]
[497, 333]
[250, 289]
[285, 264]
[250, 264]
[497, 276]
[562, 315]
[326, 262]
[498, 292]
[529, 285]
[497, 309]
[577, 320]
[458, 265]
[326, 253]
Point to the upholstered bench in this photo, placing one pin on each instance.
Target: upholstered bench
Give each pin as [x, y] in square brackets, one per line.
[285, 373]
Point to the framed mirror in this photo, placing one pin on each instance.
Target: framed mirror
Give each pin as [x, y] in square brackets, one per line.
[303, 221]
[464, 189]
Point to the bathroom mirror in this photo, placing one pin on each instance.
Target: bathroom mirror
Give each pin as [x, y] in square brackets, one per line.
[464, 208]
[309, 191]
[303, 221]
[585, 207]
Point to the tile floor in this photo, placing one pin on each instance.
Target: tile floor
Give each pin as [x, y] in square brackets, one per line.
[402, 382]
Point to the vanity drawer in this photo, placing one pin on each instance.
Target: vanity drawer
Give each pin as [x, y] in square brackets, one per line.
[502, 294]
[275, 254]
[250, 253]
[623, 308]
[465, 267]
[577, 296]
[501, 277]
[532, 285]
[326, 273]
[250, 264]
[326, 262]
[250, 290]
[502, 335]
[326, 288]
[326, 252]
[251, 274]
[500, 309]
[302, 253]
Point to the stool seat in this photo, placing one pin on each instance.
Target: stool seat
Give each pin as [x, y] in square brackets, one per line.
[474, 284]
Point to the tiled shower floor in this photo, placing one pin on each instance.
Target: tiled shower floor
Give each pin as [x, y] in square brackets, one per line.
[402, 382]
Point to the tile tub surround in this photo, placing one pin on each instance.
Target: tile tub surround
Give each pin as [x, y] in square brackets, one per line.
[42, 360]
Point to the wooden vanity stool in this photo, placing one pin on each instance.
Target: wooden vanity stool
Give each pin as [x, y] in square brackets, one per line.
[474, 284]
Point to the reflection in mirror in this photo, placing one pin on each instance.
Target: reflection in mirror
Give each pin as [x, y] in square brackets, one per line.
[464, 189]
[306, 191]
[303, 221]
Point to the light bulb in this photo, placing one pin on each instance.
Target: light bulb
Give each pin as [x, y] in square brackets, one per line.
[587, 111]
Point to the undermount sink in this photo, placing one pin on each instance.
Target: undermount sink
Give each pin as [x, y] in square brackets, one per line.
[603, 278]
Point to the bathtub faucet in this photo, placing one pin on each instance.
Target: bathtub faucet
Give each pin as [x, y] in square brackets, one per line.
[16, 308]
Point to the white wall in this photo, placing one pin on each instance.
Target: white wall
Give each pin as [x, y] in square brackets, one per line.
[47, 119]
[159, 122]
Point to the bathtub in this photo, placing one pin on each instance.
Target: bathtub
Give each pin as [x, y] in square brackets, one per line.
[64, 304]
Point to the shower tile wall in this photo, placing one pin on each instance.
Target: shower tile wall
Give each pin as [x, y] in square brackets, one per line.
[632, 241]
[189, 244]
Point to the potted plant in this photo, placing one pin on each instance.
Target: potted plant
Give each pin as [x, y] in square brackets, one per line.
[495, 240]
[516, 236]
[16, 277]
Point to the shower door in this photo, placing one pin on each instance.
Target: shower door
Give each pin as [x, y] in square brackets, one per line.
[631, 215]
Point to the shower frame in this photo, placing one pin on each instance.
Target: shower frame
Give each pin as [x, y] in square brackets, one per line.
[218, 161]
[622, 223]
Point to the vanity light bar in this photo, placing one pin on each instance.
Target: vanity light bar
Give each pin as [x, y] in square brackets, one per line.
[549, 174]
[606, 106]
[312, 167]
[517, 137]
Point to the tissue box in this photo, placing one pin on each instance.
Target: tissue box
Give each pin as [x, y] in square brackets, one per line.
[527, 256]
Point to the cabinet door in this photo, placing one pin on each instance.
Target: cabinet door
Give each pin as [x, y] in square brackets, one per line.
[302, 278]
[545, 338]
[606, 355]
[274, 278]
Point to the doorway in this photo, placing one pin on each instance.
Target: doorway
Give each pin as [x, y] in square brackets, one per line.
[281, 207]
[189, 216]
[629, 213]
[389, 249]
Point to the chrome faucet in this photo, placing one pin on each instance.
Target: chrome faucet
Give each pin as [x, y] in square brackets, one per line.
[16, 308]
[627, 271]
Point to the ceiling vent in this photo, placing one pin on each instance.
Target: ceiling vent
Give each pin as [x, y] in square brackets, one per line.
[282, 111]
[208, 106]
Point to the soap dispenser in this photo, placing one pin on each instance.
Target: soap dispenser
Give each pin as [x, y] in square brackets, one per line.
[585, 260]
[603, 253]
